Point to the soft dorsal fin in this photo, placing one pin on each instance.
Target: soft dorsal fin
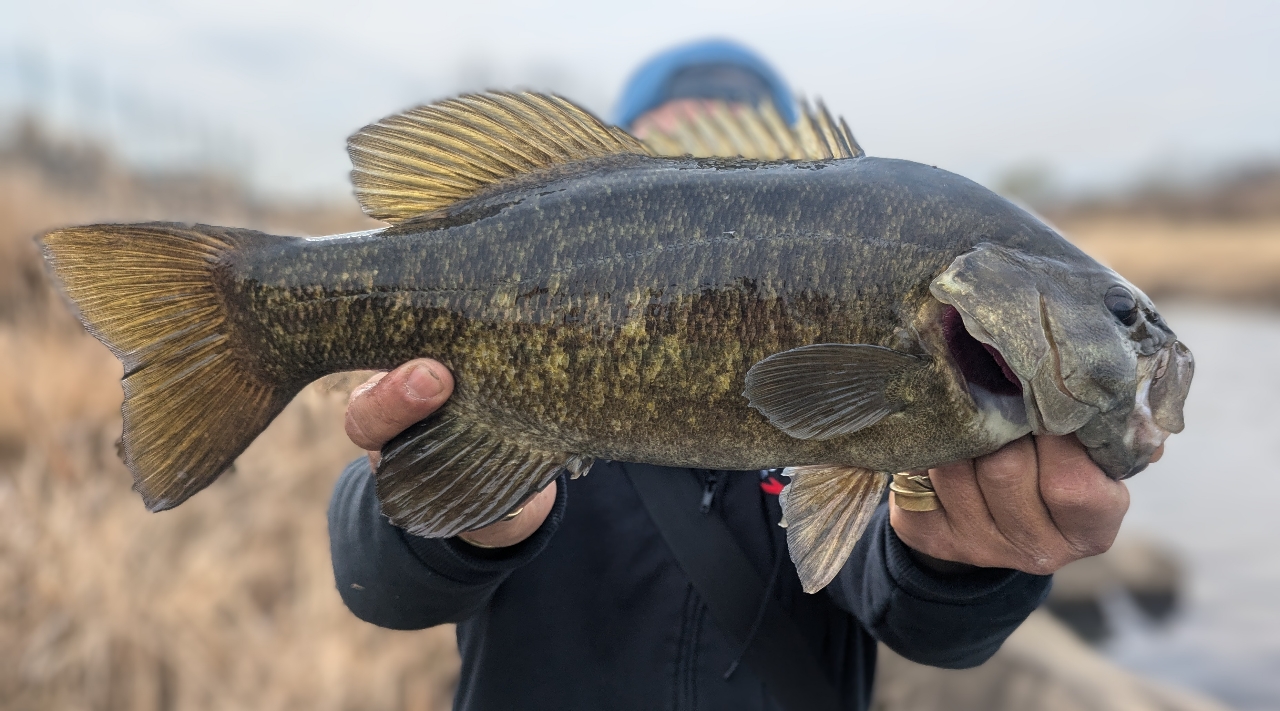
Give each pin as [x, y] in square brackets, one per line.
[430, 157]
[715, 129]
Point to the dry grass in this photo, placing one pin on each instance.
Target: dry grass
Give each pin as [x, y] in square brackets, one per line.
[227, 602]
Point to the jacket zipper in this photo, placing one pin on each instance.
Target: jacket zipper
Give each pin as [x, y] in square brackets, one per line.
[709, 492]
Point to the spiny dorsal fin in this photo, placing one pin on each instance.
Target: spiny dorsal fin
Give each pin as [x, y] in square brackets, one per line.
[716, 129]
[430, 157]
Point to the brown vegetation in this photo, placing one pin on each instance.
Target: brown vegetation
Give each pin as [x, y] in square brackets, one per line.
[1246, 193]
[1236, 260]
[227, 602]
[1214, 239]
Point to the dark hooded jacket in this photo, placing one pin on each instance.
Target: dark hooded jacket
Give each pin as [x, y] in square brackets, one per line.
[593, 612]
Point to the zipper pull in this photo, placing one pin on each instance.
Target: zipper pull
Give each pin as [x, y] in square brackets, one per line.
[708, 493]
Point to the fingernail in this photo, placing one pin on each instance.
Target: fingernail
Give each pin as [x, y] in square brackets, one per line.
[422, 383]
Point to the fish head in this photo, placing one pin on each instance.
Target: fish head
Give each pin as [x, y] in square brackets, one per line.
[1083, 350]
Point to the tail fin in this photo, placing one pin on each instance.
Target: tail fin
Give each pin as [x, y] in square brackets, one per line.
[193, 397]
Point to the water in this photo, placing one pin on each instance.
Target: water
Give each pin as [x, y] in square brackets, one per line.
[1216, 497]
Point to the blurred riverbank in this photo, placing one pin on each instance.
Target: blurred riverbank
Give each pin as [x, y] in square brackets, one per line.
[1235, 261]
[225, 603]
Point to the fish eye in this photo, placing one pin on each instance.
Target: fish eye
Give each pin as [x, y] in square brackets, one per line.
[1122, 305]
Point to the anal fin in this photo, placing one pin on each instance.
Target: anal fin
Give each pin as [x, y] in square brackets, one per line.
[446, 475]
[826, 509]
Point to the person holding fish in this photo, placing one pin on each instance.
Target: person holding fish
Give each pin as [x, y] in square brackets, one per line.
[651, 323]
[944, 586]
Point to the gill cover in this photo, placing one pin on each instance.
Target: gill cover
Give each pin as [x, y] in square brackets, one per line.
[1046, 319]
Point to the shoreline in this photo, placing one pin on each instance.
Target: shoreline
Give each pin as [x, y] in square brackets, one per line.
[1219, 261]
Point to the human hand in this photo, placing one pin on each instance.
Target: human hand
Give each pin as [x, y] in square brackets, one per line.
[388, 403]
[1034, 505]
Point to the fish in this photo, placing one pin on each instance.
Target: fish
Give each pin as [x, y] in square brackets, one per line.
[814, 308]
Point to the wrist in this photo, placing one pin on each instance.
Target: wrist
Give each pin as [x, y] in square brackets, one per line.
[938, 566]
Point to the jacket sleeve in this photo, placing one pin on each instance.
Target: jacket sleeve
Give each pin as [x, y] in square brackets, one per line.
[954, 621]
[396, 580]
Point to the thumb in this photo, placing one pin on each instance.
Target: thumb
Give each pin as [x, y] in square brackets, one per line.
[388, 403]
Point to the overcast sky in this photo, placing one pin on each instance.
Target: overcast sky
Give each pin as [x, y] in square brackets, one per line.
[1100, 91]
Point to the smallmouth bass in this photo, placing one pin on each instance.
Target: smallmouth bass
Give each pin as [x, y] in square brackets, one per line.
[840, 315]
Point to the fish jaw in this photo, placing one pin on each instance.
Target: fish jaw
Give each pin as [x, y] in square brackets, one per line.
[1164, 379]
[1169, 389]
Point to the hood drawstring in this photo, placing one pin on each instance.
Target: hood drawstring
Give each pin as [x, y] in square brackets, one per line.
[778, 553]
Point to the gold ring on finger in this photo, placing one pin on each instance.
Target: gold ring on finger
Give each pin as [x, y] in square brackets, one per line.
[914, 492]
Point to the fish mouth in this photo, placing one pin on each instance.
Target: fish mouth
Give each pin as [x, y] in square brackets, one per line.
[1136, 469]
[1142, 436]
[980, 364]
[1163, 380]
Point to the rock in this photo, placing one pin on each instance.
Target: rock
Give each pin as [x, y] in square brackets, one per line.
[1148, 572]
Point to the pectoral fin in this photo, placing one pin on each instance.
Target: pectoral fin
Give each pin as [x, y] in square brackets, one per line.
[446, 475]
[829, 389]
[825, 510]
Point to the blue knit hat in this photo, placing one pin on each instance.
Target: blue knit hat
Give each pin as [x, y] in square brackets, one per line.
[689, 71]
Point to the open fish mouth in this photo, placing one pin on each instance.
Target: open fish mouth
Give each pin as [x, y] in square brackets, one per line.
[996, 391]
[981, 364]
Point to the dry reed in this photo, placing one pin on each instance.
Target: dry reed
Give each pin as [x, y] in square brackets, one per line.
[227, 602]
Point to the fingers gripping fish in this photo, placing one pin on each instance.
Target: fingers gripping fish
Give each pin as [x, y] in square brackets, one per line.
[842, 315]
